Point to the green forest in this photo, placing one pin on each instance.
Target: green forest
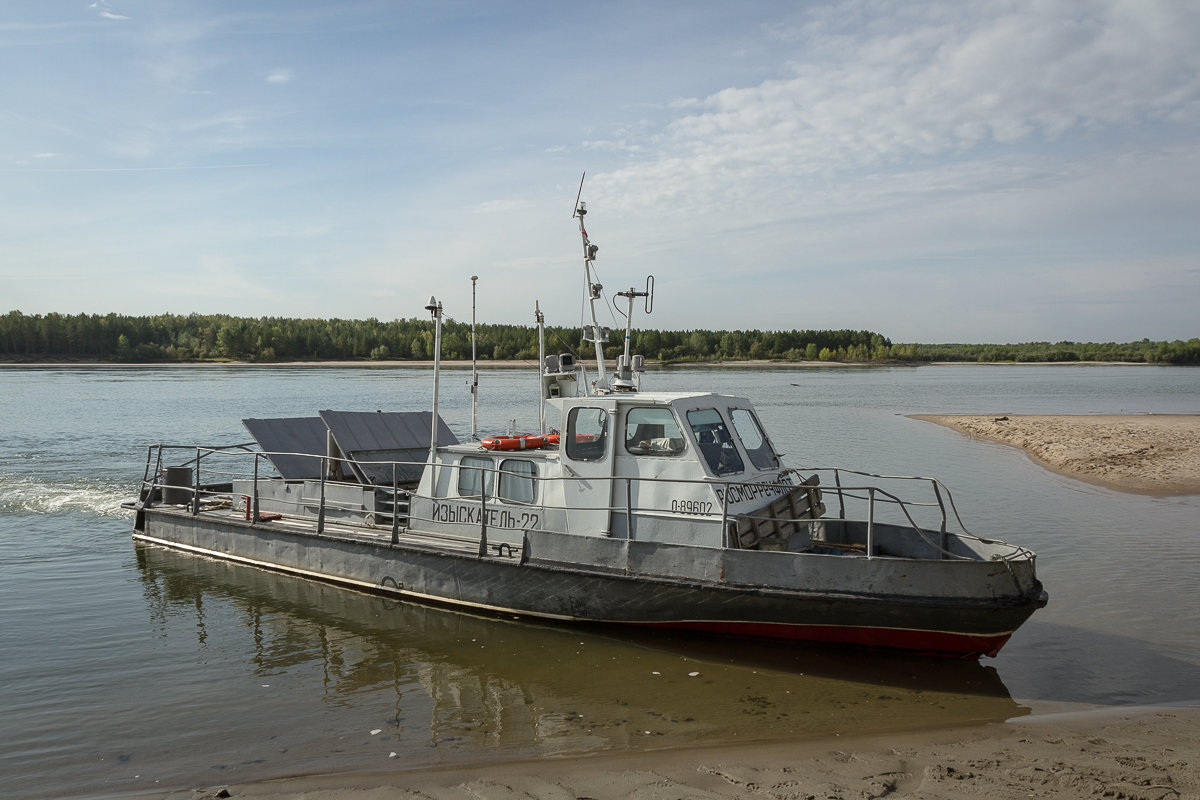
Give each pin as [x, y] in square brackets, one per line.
[217, 337]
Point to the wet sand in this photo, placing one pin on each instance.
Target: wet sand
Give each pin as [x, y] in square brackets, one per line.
[1142, 453]
[1133, 753]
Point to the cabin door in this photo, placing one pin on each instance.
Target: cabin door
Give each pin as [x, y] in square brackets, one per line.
[587, 454]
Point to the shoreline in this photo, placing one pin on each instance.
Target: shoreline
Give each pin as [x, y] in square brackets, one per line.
[1151, 753]
[463, 364]
[590, 363]
[1151, 454]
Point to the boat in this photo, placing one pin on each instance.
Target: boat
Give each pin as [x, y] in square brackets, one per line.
[644, 510]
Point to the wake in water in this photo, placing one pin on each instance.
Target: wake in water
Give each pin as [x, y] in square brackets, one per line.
[38, 495]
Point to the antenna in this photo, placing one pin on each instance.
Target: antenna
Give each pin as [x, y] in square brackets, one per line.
[593, 332]
[540, 319]
[625, 366]
[579, 194]
[474, 368]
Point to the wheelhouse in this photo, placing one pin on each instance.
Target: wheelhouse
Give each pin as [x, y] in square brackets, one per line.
[689, 462]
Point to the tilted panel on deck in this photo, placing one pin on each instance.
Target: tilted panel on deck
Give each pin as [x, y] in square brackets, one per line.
[369, 437]
[280, 438]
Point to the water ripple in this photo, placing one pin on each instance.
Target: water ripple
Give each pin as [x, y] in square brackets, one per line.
[36, 495]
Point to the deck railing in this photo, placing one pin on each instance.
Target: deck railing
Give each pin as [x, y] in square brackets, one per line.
[862, 499]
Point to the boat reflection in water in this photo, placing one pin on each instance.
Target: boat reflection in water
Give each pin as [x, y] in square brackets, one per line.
[356, 678]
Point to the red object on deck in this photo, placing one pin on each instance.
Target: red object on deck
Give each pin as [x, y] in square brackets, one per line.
[530, 441]
[263, 516]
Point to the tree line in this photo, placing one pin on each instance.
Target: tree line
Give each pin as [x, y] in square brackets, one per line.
[218, 337]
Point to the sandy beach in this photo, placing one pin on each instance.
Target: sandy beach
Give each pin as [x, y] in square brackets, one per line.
[1143, 453]
[1142, 754]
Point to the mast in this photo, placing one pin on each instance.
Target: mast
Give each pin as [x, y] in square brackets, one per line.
[628, 364]
[474, 370]
[540, 319]
[593, 332]
[434, 307]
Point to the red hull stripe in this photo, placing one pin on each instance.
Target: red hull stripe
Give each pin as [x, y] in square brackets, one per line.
[917, 641]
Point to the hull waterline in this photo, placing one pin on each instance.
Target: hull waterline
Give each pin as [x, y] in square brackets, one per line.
[506, 584]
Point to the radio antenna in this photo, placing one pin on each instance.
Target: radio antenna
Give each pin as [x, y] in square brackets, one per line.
[593, 333]
[579, 194]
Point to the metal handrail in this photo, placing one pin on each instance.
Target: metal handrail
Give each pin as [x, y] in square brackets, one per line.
[628, 481]
[937, 485]
[396, 496]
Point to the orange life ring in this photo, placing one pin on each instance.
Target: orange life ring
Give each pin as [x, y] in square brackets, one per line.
[528, 442]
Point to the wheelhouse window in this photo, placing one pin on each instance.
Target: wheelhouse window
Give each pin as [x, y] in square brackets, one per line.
[758, 447]
[518, 480]
[715, 442]
[653, 432]
[475, 476]
[587, 434]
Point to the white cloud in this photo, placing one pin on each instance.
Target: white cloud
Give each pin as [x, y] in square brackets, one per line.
[911, 85]
[280, 76]
[104, 9]
[917, 153]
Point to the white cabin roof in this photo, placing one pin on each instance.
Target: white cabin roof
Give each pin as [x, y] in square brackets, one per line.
[647, 399]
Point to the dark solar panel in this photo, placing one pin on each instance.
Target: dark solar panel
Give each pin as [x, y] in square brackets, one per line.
[369, 437]
[280, 438]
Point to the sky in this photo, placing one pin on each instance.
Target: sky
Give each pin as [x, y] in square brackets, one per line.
[1001, 171]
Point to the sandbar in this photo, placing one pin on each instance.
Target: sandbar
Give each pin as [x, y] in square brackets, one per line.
[1132, 753]
[1156, 454]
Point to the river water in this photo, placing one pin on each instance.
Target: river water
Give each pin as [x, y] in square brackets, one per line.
[130, 669]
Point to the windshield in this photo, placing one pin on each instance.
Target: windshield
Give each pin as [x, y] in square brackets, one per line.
[715, 442]
[758, 447]
[653, 431]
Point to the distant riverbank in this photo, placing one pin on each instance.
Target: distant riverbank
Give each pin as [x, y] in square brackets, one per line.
[203, 337]
[8, 361]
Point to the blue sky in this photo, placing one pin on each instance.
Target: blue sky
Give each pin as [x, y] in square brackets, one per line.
[934, 171]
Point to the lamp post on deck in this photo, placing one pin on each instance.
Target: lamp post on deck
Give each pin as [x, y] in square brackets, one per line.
[434, 307]
[474, 370]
